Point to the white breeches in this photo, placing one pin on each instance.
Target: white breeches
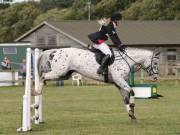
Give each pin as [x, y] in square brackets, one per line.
[104, 48]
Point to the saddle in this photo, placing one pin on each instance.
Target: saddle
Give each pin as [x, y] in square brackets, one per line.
[99, 56]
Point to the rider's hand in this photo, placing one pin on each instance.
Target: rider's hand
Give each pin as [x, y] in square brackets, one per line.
[121, 47]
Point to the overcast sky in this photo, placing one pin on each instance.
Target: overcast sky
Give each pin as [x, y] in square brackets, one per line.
[23, 0]
[18, 0]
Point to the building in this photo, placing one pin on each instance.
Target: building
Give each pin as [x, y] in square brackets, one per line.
[15, 52]
[143, 34]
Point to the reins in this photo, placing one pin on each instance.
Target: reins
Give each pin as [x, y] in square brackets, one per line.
[136, 63]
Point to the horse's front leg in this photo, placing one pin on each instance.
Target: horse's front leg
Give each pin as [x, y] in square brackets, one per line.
[128, 96]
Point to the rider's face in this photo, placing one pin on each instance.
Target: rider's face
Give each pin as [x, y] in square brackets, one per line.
[118, 22]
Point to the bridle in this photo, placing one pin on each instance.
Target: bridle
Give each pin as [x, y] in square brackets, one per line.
[149, 69]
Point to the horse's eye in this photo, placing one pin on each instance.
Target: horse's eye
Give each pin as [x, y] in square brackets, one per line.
[155, 63]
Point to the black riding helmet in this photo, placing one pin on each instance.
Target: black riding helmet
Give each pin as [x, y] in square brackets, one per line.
[116, 16]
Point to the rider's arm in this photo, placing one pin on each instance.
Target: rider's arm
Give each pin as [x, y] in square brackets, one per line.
[113, 35]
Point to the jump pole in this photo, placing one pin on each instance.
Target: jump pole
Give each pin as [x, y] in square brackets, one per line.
[142, 90]
[37, 106]
[26, 117]
[38, 99]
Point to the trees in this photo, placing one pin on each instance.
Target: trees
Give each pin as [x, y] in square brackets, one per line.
[53, 15]
[46, 5]
[105, 8]
[3, 6]
[75, 12]
[16, 20]
[153, 10]
[19, 18]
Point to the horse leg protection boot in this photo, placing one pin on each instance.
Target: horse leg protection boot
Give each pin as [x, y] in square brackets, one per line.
[103, 65]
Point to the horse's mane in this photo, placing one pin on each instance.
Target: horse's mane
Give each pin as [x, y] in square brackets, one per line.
[130, 50]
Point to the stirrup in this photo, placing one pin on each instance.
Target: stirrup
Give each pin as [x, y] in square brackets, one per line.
[99, 71]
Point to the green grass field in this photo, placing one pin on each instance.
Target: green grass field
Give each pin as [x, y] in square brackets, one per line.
[93, 110]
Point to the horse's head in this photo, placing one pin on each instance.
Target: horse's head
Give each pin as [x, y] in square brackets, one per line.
[151, 65]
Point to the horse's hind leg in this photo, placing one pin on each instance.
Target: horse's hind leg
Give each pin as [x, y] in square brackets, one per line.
[128, 97]
[45, 76]
[50, 75]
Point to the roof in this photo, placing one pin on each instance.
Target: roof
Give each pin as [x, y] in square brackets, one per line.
[15, 44]
[130, 32]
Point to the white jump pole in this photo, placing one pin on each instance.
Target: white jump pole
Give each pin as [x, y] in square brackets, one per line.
[37, 106]
[38, 99]
[26, 117]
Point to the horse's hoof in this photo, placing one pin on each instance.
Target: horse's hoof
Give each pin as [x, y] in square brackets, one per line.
[132, 116]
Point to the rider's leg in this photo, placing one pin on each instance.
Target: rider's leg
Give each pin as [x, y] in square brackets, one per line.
[104, 48]
[104, 63]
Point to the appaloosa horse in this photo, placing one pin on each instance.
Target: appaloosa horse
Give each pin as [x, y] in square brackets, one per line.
[60, 63]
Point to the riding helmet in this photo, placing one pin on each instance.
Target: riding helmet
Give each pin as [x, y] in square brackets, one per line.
[116, 16]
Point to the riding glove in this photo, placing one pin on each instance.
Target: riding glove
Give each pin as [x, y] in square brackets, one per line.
[121, 47]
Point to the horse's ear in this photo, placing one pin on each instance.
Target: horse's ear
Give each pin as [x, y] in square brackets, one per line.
[157, 52]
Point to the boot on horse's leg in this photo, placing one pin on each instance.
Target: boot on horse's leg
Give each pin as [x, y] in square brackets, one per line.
[104, 64]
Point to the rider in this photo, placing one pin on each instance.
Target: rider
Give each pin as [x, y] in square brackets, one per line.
[107, 29]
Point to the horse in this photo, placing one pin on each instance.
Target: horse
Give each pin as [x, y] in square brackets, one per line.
[61, 63]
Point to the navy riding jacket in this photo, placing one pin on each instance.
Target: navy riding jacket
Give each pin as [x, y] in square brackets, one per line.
[104, 33]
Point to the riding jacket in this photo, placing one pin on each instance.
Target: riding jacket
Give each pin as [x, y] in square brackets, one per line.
[104, 33]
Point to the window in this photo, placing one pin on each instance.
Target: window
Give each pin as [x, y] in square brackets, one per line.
[171, 54]
[52, 40]
[10, 50]
[41, 40]
[171, 50]
[171, 57]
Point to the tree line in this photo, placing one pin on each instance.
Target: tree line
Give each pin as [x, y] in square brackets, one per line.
[18, 18]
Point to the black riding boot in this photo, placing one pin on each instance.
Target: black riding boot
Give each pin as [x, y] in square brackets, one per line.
[104, 64]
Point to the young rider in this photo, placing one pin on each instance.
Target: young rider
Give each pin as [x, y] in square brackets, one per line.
[107, 29]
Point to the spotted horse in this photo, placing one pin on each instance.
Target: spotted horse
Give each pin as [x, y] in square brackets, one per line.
[61, 63]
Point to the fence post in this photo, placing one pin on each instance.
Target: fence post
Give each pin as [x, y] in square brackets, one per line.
[142, 77]
[176, 82]
[131, 76]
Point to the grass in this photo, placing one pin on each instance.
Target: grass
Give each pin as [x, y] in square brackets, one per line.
[93, 110]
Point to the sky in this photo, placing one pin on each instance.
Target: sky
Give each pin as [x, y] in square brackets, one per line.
[18, 0]
[23, 0]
